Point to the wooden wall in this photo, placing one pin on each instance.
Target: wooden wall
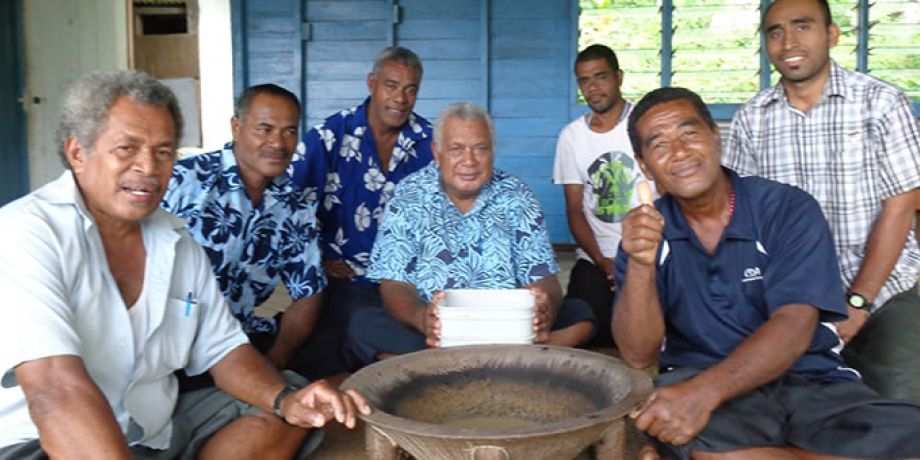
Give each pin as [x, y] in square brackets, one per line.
[513, 57]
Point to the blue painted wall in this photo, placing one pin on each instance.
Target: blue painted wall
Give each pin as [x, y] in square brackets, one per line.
[531, 54]
[341, 39]
[513, 57]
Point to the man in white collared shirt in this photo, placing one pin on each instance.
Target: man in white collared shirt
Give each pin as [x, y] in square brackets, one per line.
[108, 296]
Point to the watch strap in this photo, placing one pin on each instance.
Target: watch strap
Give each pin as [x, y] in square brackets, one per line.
[287, 390]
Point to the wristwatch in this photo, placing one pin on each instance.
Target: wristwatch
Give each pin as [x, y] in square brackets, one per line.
[858, 301]
[288, 389]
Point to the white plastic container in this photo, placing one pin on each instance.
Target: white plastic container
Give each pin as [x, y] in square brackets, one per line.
[489, 298]
[484, 316]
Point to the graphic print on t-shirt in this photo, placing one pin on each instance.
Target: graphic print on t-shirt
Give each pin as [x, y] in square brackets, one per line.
[612, 177]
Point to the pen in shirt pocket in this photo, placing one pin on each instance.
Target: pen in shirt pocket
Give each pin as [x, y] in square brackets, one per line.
[189, 301]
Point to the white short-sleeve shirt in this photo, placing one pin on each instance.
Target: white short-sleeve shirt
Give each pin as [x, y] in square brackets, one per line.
[61, 299]
[605, 165]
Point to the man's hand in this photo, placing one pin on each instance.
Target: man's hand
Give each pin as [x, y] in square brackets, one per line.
[432, 322]
[319, 402]
[849, 328]
[542, 314]
[642, 233]
[606, 264]
[337, 268]
[675, 414]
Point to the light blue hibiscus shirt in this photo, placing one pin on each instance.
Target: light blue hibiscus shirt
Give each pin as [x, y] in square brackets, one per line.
[251, 248]
[341, 162]
[424, 240]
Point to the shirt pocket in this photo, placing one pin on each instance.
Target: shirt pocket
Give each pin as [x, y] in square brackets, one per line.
[170, 346]
[854, 191]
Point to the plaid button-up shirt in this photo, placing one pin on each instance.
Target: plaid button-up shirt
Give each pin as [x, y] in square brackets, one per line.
[857, 147]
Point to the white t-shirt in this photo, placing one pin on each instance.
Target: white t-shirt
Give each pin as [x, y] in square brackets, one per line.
[60, 299]
[604, 163]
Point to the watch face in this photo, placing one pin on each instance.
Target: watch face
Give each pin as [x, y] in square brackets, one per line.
[856, 301]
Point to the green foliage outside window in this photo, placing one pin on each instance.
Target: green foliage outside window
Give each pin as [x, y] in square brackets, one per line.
[894, 42]
[715, 48]
[716, 43]
[632, 29]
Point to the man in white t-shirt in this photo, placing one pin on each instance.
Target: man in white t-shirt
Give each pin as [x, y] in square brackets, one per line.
[596, 166]
[107, 296]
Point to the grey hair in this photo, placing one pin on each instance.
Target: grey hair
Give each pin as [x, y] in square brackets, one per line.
[89, 100]
[463, 111]
[404, 56]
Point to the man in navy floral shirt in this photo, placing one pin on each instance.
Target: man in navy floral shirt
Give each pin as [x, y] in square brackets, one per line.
[256, 226]
[461, 224]
[354, 160]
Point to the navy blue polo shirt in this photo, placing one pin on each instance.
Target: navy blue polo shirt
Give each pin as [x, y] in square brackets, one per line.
[777, 250]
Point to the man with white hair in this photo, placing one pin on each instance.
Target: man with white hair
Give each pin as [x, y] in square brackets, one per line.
[108, 296]
[459, 223]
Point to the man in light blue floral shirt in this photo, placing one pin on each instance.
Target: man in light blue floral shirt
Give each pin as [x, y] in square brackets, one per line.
[354, 160]
[460, 224]
[256, 226]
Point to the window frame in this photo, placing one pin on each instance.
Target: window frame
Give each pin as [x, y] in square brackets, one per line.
[725, 111]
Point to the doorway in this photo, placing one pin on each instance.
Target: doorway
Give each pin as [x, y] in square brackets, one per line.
[14, 173]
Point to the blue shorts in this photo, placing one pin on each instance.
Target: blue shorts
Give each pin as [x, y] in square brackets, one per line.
[841, 418]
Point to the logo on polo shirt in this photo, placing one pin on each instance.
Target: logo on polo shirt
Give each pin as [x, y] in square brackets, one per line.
[752, 274]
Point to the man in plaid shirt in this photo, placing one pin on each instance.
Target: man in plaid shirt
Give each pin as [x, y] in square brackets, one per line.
[853, 143]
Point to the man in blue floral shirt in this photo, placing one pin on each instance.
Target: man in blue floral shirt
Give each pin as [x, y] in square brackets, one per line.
[354, 161]
[460, 224]
[255, 225]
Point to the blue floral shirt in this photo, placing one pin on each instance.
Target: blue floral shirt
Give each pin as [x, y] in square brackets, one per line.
[341, 163]
[502, 242]
[250, 247]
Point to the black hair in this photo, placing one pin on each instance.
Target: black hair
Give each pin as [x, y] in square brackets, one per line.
[825, 8]
[661, 96]
[245, 99]
[599, 52]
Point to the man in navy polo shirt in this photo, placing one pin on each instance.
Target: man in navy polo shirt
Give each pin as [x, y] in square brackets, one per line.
[732, 285]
